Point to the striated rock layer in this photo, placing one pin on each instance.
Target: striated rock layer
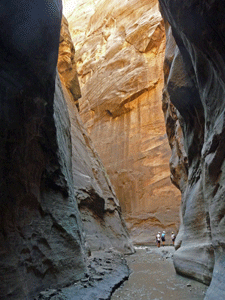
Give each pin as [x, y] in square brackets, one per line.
[119, 55]
[194, 78]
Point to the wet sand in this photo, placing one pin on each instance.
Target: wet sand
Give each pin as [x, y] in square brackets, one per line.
[154, 278]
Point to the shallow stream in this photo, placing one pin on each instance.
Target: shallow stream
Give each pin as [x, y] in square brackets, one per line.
[153, 278]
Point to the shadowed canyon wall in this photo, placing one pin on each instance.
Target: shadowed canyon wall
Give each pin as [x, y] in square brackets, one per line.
[195, 85]
[40, 238]
[119, 55]
[42, 233]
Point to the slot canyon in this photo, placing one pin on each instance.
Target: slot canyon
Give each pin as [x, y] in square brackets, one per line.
[119, 55]
[111, 118]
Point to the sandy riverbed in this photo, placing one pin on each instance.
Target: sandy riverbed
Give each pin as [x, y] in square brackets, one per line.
[154, 278]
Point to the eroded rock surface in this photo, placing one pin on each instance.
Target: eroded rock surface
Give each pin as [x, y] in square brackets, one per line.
[119, 54]
[106, 271]
[41, 244]
[43, 247]
[195, 75]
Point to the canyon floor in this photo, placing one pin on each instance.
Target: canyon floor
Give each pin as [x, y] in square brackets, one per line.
[153, 278]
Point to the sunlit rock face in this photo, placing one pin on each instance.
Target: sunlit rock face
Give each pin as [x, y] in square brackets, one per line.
[103, 224]
[195, 78]
[41, 241]
[119, 54]
[66, 62]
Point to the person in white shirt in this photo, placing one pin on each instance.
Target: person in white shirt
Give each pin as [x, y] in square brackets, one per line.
[173, 237]
[158, 239]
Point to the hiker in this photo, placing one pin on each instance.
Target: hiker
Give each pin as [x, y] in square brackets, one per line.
[173, 237]
[158, 239]
[163, 237]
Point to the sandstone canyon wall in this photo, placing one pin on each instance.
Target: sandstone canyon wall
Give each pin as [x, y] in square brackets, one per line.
[42, 235]
[195, 85]
[100, 210]
[40, 238]
[119, 55]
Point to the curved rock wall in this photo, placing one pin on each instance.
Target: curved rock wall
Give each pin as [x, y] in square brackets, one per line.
[119, 54]
[41, 243]
[42, 233]
[195, 85]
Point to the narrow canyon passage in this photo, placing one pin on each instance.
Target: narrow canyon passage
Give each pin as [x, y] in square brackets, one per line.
[119, 54]
[153, 277]
[133, 67]
[112, 117]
